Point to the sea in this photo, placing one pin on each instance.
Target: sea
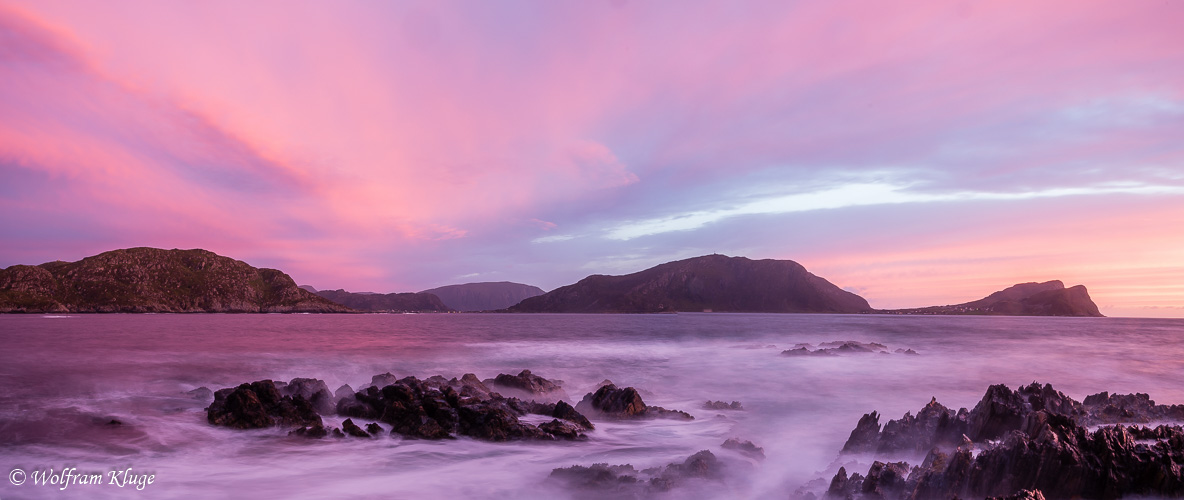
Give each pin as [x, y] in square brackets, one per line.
[66, 377]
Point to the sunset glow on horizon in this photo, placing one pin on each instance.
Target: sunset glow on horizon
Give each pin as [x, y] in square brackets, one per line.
[920, 156]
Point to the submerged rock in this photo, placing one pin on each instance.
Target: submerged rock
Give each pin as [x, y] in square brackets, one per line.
[624, 481]
[744, 447]
[843, 347]
[720, 405]
[201, 393]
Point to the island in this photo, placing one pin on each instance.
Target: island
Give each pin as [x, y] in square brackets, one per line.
[1050, 298]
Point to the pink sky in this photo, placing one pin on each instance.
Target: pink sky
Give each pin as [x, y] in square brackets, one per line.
[922, 155]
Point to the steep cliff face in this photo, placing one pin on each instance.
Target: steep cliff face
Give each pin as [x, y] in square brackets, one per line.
[487, 296]
[713, 282]
[1050, 298]
[154, 280]
[386, 302]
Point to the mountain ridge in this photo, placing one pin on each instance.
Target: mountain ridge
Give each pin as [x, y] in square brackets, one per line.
[484, 296]
[386, 302]
[144, 279]
[716, 283]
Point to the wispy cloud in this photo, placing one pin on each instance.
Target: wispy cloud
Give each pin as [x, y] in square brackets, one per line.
[860, 195]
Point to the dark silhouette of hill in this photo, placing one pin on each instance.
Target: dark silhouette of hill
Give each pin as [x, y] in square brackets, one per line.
[384, 302]
[486, 296]
[154, 280]
[710, 283]
[1050, 298]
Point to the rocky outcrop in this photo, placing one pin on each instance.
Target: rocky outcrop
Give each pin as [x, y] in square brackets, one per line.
[709, 283]
[613, 403]
[312, 390]
[489, 296]
[434, 408]
[259, 405]
[386, 302]
[1029, 443]
[1050, 298]
[439, 409]
[140, 280]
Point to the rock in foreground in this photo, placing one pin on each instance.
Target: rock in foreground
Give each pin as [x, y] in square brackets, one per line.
[1028, 443]
[259, 405]
[435, 408]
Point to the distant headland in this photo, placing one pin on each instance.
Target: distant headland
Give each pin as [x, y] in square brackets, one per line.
[142, 280]
[152, 280]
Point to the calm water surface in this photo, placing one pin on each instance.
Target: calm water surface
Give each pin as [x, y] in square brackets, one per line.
[64, 377]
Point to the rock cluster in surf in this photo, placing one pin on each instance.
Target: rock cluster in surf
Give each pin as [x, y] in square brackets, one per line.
[1032, 442]
[433, 408]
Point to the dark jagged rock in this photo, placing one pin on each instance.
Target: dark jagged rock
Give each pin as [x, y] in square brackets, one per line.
[352, 429]
[999, 411]
[568, 412]
[1050, 298]
[624, 403]
[374, 429]
[866, 435]
[1104, 408]
[1032, 442]
[1002, 410]
[314, 431]
[885, 480]
[745, 447]
[624, 481]
[141, 280]
[487, 296]
[258, 405]
[386, 302]
[720, 405]
[1064, 460]
[436, 409]
[313, 390]
[563, 429]
[713, 282]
